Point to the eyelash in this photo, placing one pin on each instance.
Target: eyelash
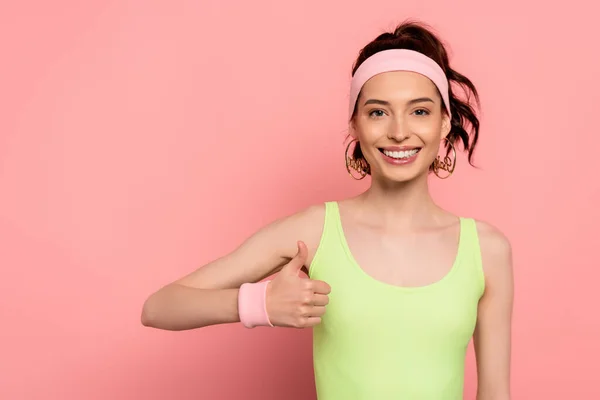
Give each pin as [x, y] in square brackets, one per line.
[426, 112]
[374, 116]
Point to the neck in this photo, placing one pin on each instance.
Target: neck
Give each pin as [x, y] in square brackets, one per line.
[402, 205]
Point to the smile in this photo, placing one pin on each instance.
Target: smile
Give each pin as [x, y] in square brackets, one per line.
[400, 155]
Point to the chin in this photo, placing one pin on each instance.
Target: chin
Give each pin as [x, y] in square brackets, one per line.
[401, 176]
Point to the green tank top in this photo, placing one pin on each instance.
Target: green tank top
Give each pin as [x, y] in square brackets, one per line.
[379, 341]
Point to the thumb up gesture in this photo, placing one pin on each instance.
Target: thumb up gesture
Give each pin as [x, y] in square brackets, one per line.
[293, 301]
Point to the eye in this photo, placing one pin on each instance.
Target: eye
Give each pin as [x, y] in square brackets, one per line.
[376, 113]
[421, 112]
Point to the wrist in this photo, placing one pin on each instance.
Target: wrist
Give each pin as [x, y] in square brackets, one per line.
[252, 304]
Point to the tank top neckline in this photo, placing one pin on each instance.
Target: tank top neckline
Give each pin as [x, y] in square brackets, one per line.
[388, 286]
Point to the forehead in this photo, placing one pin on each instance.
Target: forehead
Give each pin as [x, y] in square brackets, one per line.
[399, 85]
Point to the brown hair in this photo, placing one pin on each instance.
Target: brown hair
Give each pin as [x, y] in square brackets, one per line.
[420, 37]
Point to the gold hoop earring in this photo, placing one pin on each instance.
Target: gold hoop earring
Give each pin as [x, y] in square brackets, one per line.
[447, 164]
[361, 166]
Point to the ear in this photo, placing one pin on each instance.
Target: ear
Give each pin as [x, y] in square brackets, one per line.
[446, 126]
[352, 129]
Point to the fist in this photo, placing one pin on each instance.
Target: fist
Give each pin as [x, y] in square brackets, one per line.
[293, 301]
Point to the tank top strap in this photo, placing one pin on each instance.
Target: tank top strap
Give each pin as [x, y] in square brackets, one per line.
[330, 242]
[471, 251]
[332, 212]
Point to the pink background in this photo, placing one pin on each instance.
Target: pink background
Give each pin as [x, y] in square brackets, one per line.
[140, 140]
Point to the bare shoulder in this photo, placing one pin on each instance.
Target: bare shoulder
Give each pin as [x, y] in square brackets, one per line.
[263, 253]
[311, 214]
[496, 251]
[305, 225]
[492, 239]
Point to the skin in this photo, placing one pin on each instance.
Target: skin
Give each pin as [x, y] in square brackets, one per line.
[396, 218]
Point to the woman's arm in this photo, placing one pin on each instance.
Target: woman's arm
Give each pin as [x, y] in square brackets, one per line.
[208, 295]
[492, 338]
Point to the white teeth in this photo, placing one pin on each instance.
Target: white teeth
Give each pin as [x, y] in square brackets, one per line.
[400, 154]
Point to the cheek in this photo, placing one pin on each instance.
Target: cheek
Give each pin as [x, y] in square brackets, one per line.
[370, 132]
[429, 129]
[430, 134]
[430, 153]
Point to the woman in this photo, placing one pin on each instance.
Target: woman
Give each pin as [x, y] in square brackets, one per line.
[405, 283]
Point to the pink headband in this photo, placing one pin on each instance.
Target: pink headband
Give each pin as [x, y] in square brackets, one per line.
[399, 60]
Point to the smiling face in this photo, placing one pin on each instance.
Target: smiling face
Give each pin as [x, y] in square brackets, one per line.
[400, 123]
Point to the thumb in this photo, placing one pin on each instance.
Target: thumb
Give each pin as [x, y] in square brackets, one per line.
[296, 263]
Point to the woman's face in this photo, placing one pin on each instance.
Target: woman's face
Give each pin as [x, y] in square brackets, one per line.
[399, 123]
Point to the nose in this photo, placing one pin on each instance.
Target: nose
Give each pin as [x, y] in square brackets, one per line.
[398, 130]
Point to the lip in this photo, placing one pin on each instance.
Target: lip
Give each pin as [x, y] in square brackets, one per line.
[403, 161]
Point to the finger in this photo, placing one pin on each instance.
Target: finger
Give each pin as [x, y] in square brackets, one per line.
[312, 321]
[320, 300]
[295, 265]
[320, 287]
[317, 311]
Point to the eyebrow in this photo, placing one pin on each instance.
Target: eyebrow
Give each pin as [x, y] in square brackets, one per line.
[410, 102]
